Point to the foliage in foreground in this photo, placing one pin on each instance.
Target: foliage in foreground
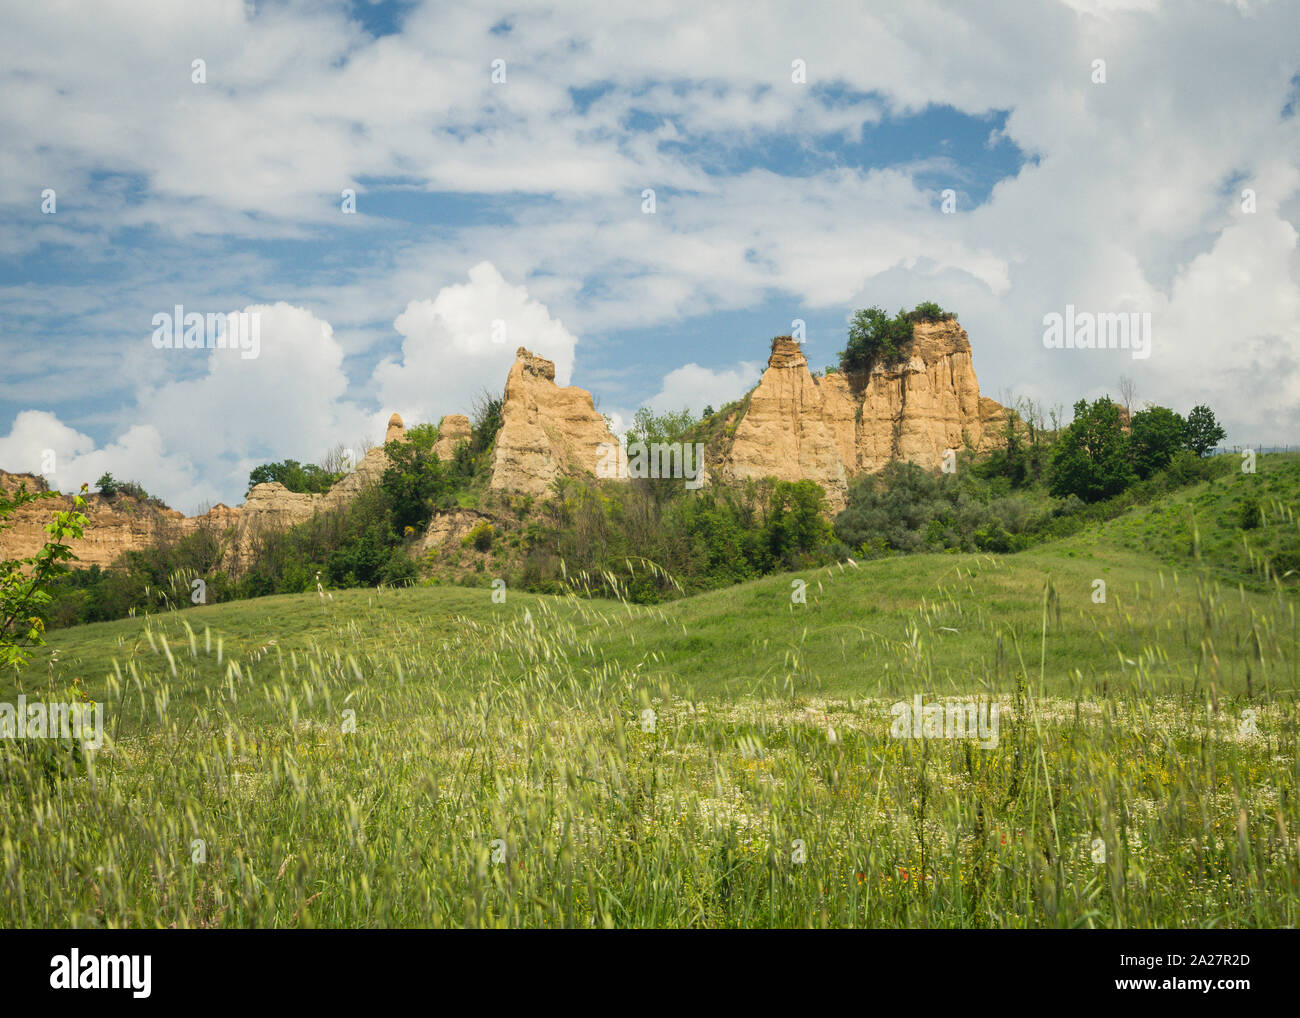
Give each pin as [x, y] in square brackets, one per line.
[502, 769]
[875, 338]
[25, 582]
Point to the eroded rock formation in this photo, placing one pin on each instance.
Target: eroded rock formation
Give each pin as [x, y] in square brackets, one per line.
[452, 430]
[271, 506]
[830, 428]
[794, 426]
[114, 525]
[546, 431]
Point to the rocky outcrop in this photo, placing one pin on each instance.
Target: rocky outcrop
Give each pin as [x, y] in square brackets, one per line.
[452, 430]
[794, 428]
[396, 429]
[114, 525]
[11, 483]
[448, 529]
[546, 431]
[272, 507]
[830, 428]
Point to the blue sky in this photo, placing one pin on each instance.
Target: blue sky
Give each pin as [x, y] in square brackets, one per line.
[521, 201]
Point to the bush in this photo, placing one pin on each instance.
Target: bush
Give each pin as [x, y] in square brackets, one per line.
[1092, 458]
[480, 537]
[300, 477]
[111, 487]
[1250, 515]
[875, 338]
[416, 483]
[400, 570]
[485, 421]
[24, 597]
[907, 508]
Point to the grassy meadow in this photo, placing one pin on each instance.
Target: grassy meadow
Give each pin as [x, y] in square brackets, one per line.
[428, 756]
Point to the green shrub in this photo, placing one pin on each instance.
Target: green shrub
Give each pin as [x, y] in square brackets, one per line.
[300, 477]
[480, 537]
[1250, 515]
[1091, 458]
[875, 338]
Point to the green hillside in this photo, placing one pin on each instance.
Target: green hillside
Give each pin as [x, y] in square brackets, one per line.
[1155, 729]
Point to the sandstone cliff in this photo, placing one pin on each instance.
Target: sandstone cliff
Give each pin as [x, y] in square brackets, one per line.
[794, 426]
[452, 430]
[114, 525]
[546, 431]
[831, 428]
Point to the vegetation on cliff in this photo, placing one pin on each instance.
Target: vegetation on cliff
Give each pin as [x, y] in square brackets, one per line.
[875, 338]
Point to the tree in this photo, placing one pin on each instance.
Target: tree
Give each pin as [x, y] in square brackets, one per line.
[1127, 392]
[415, 483]
[875, 338]
[1156, 433]
[300, 477]
[338, 461]
[1203, 430]
[649, 427]
[1092, 457]
[488, 411]
[796, 522]
[109, 486]
[24, 582]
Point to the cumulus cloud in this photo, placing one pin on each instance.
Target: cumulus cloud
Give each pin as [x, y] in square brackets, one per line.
[288, 401]
[194, 440]
[463, 341]
[39, 443]
[1128, 200]
[692, 387]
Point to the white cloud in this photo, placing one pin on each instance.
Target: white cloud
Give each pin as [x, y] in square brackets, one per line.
[463, 341]
[693, 387]
[193, 440]
[1131, 201]
[39, 439]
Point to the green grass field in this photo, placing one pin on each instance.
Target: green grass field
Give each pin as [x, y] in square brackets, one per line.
[504, 770]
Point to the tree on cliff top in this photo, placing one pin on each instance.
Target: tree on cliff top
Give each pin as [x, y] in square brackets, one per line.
[300, 477]
[415, 483]
[875, 338]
